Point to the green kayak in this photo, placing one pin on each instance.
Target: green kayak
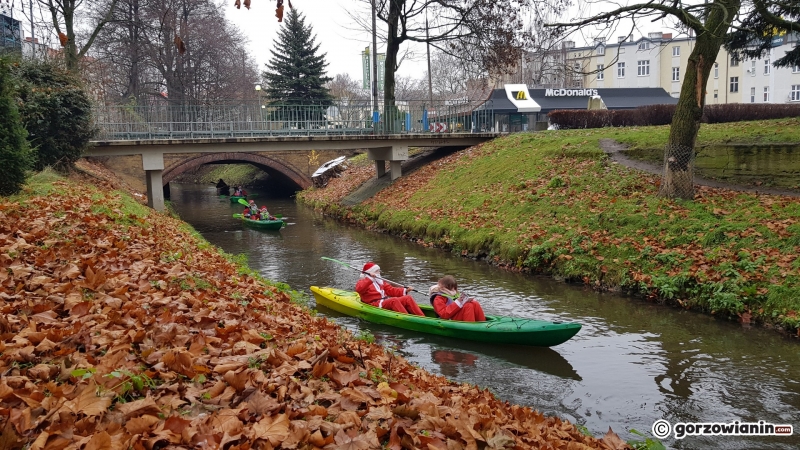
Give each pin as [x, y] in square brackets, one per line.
[235, 199]
[496, 329]
[276, 224]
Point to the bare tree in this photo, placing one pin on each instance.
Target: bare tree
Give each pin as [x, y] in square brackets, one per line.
[183, 49]
[710, 22]
[66, 23]
[485, 33]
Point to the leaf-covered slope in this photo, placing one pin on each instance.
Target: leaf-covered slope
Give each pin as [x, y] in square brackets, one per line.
[121, 329]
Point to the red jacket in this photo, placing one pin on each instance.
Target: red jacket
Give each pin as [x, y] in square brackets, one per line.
[370, 294]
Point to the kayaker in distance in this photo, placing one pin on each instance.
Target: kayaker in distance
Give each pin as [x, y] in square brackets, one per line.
[265, 215]
[223, 188]
[239, 192]
[451, 304]
[376, 292]
[251, 212]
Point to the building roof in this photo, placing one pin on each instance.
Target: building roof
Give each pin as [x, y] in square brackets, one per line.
[614, 98]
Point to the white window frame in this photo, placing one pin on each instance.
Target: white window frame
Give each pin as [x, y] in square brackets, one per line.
[796, 68]
[734, 61]
[766, 67]
[676, 74]
[600, 73]
[766, 94]
[676, 51]
[794, 95]
[734, 83]
[716, 70]
[620, 70]
[716, 93]
[753, 68]
[644, 45]
[643, 68]
[601, 50]
[752, 95]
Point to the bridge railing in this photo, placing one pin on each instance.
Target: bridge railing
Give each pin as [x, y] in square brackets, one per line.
[259, 118]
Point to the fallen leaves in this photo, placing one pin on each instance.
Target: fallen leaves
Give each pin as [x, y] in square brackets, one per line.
[104, 350]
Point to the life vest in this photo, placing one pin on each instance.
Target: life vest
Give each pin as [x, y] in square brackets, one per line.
[450, 299]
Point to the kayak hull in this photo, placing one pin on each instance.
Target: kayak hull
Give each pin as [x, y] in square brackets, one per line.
[496, 329]
[235, 199]
[261, 224]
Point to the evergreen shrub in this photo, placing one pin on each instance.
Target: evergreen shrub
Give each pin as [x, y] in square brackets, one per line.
[55, 111]
[15, 155]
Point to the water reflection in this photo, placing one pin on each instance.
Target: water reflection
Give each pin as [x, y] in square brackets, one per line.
[631, 364]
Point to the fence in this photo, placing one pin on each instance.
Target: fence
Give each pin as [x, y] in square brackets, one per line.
[256, 119]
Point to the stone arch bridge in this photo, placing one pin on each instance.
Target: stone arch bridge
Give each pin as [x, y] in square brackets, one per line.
[290, 159]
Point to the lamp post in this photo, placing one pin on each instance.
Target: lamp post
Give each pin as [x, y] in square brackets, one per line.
[263, 107]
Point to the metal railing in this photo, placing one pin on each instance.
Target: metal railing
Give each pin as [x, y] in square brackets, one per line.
[257, 119]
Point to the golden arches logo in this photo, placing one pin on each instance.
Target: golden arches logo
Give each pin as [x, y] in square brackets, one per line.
[521, 95]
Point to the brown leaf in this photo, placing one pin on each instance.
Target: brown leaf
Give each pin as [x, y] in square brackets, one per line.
[179, 361]
[321, 369]
[344, 378]
[279, 13]
[238, 4]
[63, 39]
[179, 44]
[247, 4]
[176, 424]
[145, 406]
[345, 442]
[100, 441]
[9, 439]
[274, 429]
[613, 441]
[88, 402]
[141, 425]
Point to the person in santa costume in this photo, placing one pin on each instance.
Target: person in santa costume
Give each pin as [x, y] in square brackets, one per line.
[451, 304]
[377, 292]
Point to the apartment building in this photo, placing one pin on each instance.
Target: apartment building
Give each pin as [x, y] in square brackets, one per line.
[659, 60]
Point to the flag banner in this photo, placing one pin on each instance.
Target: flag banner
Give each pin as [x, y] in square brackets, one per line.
[365, 67]
[381, 70]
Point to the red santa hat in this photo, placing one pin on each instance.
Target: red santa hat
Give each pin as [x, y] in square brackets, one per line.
[371, 268]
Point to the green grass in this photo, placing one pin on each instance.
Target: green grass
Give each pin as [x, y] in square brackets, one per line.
[553, 203]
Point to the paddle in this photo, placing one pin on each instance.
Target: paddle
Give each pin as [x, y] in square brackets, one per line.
[276, 216]
[243, 202]
[359, 270]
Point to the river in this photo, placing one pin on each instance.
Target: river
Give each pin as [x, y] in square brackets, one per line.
[632, 363]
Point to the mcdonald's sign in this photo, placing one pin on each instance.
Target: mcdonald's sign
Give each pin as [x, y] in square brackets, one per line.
[520, 95]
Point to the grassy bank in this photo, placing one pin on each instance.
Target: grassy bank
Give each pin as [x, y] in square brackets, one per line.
[551, 202]
[122, 328]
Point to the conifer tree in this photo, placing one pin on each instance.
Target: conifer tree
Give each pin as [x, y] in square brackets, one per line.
[295, 74]
[15, 155]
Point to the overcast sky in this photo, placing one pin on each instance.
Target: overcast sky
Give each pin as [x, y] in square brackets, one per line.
[334, 29]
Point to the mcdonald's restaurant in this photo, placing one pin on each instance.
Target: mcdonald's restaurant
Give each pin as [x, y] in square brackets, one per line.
[517, 108]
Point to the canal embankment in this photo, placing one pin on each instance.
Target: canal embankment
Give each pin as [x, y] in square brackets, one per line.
[556, 203]
[123, 328]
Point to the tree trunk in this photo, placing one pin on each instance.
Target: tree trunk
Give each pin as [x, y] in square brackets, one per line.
[390, 114]
[678, 178]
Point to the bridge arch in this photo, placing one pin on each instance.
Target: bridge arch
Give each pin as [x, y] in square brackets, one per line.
[272, 166]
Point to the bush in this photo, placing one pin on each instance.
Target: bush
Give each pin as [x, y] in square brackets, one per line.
[15, 155]
[739, 112]
[55, 111]
[662, 115]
